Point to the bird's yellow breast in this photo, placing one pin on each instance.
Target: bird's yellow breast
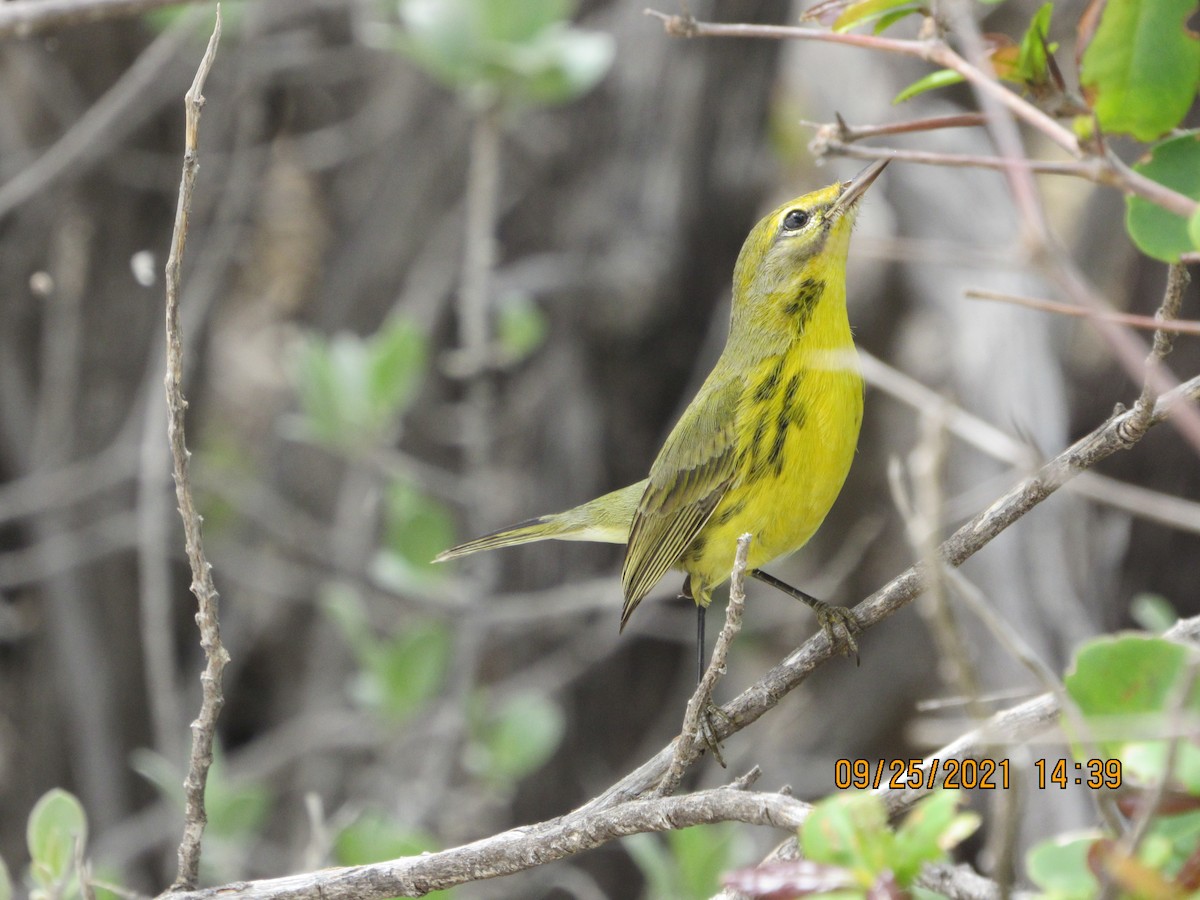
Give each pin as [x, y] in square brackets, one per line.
[798, 422]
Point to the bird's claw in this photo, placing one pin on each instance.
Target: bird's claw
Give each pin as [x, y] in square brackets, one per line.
[840, 625]
[708, 731]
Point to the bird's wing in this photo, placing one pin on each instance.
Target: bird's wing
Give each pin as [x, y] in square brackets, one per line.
[688, 479]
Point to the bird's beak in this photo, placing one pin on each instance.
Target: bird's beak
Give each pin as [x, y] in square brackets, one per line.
[857, 186]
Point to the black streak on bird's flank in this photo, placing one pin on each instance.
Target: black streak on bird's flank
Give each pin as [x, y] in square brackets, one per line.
[766, 387]
[801, 307]
[730, 513]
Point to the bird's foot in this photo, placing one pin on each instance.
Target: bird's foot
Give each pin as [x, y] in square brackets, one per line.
[840, 625]
[708, 729]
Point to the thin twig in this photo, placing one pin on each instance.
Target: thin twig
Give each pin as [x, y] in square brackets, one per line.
[1147, 323]
[204, 727]
[1087, 170]
[687, 745]
[939, 53]
[1143, 409]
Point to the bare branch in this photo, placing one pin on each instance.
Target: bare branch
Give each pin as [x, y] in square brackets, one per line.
[521, 848]
[204, 727]
[1148, 323]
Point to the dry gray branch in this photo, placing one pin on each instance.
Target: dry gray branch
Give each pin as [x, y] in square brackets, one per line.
[523, 848]
[204, 727]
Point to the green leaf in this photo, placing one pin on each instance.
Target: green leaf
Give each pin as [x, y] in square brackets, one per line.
[867, 10]
[649, 853]
[1145, 762]
[1158, 233]
[374, 837]
[418, 527]
[1032, 59]
[851, 831]
[940, 78]
[1153, 612]
[515, 52]
[1141, 69]
[1126, 683]
[6, 886]
[520, 326]
[932, 828]
[1059, 867]
[886, 22]
[396, 359]
[402, 674]
[521, 21]
[701, 854]
[57, 824]
[518, 738]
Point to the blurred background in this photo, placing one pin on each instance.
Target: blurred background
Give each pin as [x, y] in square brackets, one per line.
[365, 199]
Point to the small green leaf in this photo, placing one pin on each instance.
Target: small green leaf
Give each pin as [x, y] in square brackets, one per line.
[1032, 58]
[886, 22]
[519, 737]
[701, 854]
[6, 886]
[1059, 866]
[57, 825]
[418, 527]
[1141, 69]
[405, 672]
[868, 10]
[1153, 612]
[939, 79]
[374, 837]
[649, 853]
[1158, 233]
[932, 828]
[518, 23]
[1145, 762]
[396, 361]
[851, 831]
[520, 326]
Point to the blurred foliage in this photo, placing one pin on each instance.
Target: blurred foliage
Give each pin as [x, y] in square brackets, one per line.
[374, 837]
[497, 53]
[685, 864]
[397, 674]
[520, 326]
[513, 738]
[353, 390]
[849, 851]
[236, 810]
[1153, 612]
[416, 529]
[1132, 691]
[56, 834]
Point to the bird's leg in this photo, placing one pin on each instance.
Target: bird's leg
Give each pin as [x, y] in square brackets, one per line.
[710, 710]
[831, 618]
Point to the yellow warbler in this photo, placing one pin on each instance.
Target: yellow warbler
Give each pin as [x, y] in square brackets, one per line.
[766, 444]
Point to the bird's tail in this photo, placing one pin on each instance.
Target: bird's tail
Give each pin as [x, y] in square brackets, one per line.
[540, 529]
[606, 519]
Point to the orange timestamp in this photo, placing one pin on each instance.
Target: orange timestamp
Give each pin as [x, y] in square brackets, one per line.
[970, 774]
[919, 774]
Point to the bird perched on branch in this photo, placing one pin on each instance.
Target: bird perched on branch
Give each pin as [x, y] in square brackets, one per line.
[766, 444]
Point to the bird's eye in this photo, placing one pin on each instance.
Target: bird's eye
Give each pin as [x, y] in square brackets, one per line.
[795, 219]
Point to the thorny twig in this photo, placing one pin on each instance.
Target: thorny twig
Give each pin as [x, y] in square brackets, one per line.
[204, 727]
[1147, 323]
[686, 745]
